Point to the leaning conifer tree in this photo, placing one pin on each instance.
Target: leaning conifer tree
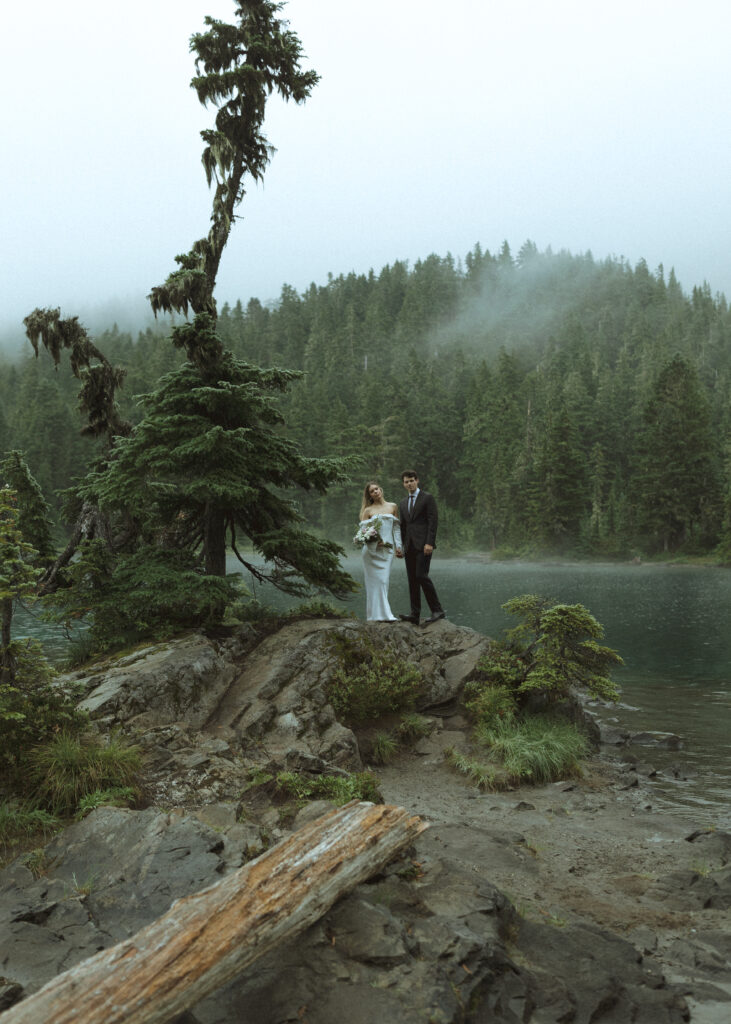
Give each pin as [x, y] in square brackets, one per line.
[209, 463]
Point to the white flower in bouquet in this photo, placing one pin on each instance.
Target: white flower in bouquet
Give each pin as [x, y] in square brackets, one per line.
[370, 531]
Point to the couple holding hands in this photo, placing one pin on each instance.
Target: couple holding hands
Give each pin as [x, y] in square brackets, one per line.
[409, 531]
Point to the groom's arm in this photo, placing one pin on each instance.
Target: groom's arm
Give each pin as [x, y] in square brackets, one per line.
[432, 520]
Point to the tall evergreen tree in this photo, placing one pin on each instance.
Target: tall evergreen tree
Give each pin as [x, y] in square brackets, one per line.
[207, 459]
[678, 483]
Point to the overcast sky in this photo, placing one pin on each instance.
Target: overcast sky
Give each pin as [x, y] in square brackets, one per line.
[577, 124]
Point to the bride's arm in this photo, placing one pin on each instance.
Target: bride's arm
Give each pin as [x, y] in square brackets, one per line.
[397, 543]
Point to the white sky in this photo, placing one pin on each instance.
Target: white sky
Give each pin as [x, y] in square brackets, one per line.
[577, 124]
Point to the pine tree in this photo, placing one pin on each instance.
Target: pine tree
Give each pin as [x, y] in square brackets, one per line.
[678, 482]
[207, 461]
[18, 576]
[34, 521]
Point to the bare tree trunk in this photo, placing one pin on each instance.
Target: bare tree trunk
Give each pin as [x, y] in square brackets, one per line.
[90, 523]
[206, 939]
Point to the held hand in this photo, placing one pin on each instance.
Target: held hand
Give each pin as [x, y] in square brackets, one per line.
[399, 553]
[428, 549]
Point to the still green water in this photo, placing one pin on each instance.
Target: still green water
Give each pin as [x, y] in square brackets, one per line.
[671, 624]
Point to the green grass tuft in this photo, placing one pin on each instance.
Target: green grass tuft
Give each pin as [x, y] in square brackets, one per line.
[116, 796]
[385, 747]
[484, 776]
[537, 749]
[337, 788]
[18, 822]
[68, 768]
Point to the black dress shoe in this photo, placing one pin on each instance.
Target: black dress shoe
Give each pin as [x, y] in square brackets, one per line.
[434, 617]
[410, 618]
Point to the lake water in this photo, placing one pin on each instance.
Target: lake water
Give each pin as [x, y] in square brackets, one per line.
[671, 624]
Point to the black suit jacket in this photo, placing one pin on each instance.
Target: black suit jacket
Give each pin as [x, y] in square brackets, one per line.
[421, 529]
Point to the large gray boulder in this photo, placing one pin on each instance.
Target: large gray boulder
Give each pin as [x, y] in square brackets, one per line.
[199, 703]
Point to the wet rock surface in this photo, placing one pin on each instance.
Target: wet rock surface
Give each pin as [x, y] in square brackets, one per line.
[574, 902]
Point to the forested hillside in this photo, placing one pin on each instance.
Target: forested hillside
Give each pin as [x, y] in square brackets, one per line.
[554, 403]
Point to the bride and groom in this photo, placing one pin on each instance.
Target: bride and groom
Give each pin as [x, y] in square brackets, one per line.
[408, 530]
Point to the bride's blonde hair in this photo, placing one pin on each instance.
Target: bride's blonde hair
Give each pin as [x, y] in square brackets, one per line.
[367, 499]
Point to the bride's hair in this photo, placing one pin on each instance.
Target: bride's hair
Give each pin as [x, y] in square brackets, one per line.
[367, 499]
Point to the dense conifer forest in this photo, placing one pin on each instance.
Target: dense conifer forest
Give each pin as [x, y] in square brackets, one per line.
[554, 403]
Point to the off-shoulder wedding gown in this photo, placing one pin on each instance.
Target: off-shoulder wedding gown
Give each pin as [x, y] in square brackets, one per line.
[377, 568]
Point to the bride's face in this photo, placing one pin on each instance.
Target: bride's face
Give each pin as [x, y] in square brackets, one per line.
[375, 494]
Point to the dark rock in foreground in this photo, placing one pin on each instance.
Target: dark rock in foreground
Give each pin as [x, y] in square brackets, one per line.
[432, 939]
[427, 940]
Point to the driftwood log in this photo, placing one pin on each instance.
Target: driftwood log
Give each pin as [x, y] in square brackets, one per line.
[206, 939]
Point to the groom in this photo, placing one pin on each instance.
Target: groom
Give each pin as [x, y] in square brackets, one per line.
[418, 514]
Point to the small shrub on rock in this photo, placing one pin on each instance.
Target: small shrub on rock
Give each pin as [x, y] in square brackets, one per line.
[371, 682]
[552, 649]
[413, 727]
[484, 776]
[490, 703]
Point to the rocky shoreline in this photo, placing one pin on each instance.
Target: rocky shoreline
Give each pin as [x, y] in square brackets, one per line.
[579, 901]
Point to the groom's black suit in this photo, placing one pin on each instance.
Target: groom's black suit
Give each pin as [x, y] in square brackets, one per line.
[417, 530]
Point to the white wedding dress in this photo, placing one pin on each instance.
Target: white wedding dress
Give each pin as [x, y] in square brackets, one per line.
[377, 568]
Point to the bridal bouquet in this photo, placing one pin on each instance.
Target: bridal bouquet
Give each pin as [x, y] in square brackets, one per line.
[370, 531]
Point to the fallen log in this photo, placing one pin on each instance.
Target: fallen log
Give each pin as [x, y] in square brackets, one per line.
[206, 939]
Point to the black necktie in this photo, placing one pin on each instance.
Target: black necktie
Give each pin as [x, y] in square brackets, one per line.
[411, 505]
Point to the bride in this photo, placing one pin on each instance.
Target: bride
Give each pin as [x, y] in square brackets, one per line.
[379, 533]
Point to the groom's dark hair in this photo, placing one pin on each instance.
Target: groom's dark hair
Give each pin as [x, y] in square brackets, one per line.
[410, 472]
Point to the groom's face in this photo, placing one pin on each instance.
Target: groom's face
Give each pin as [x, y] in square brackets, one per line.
[411, 483]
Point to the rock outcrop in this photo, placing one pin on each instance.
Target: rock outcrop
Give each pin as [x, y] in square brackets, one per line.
[431, 939]
[205, 710]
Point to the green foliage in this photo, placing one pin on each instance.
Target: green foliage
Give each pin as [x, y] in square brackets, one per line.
[251, 610]
[257, 777]
[18, 576]
[552, 649]
[413, 727]
[33, 710]
[19, 822]
[484, 776]
[116, 796]
[33, 521]
[490, 702]
[209, 458]
[80, 650]
[536, 749]
[337, 788]
[370, 682]
[208, 461]
[317, 609]
[677, 485]
[68, 768]
[154, 592]
[385, 747]
[517, 364]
